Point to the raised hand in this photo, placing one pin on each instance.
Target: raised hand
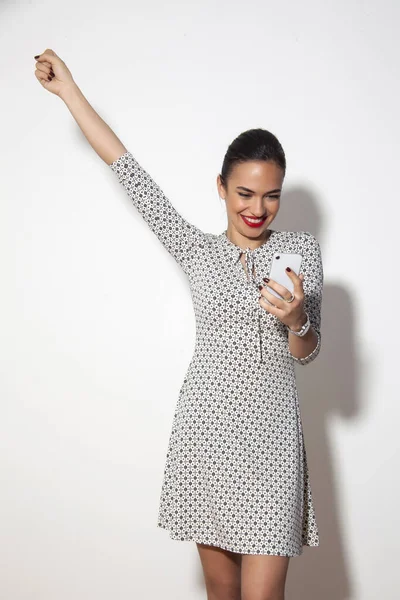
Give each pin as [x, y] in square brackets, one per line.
[53, 73]
[290, 312]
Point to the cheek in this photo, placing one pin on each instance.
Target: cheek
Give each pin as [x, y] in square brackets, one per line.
[235, 206]
[273, 208]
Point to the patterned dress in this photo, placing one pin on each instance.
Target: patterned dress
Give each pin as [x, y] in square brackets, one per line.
[236, 472]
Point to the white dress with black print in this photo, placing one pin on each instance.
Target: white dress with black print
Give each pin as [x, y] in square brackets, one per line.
[236, 473]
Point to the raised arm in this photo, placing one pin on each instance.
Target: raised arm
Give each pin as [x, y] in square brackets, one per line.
[99, 135]
[178, 236]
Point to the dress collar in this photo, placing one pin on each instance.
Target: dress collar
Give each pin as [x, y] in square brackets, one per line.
[235, 251]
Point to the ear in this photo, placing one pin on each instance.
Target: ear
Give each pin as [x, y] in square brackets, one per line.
[220, 188]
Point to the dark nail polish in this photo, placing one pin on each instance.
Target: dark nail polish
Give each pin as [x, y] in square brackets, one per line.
[49, 78]
[288, 269]
[52, 74]
[260, 287]
[37, 56]
[266, 279]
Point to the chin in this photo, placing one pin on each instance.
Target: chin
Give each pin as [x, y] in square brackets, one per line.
[253, 232]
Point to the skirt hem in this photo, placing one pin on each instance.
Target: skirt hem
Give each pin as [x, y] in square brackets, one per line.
[173, 536]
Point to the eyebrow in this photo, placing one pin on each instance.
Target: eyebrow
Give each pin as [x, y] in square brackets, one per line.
[241, 187]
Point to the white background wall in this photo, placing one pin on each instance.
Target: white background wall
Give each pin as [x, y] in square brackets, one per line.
[97, 325]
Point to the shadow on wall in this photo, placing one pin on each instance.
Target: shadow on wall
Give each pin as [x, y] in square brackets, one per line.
[327, 387]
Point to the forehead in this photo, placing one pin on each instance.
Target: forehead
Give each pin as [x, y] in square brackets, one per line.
[256, 171]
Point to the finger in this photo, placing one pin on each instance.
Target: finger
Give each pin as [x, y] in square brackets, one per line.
[297, 281]
[44, 70]
[269, 307]
[43, 78]
[43, 65]
[292, 275]
[48, 58]
[280, 289]
[278, 302]
[47, 52]
[44, 75]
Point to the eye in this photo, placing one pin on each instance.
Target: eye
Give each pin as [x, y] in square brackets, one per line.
[248, 195]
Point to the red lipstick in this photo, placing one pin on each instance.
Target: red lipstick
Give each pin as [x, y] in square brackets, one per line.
[252, 223]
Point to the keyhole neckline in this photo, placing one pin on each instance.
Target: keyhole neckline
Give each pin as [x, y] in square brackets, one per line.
[247, 249]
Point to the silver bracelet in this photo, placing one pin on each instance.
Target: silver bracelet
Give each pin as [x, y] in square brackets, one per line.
[304, 328]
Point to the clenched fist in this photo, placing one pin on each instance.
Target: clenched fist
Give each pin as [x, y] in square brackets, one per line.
[53, 73]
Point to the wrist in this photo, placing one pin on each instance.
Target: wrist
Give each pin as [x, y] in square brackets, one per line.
[296, 327]
[70, 93]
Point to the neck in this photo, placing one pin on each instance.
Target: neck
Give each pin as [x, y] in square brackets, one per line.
[246, 242]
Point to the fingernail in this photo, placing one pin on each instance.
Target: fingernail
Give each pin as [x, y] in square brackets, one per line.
[266, 279]
[37, 56]
[51, 73]
[49, 78]
[288, 269]
[260, 287]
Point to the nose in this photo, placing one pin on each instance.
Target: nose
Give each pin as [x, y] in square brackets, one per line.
[257, 208]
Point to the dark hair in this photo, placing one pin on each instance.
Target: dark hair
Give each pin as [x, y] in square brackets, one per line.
[253, 144]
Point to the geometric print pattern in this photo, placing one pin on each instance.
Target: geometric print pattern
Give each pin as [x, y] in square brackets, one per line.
[236, 473]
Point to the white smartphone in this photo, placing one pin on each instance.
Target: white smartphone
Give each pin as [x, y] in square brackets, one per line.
[278, 270]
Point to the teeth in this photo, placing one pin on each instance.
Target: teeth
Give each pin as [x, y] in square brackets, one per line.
[253, 219]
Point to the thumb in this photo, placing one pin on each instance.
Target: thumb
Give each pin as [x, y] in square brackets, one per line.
[49, 57]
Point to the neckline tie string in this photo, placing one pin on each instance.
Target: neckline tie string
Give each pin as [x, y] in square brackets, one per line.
[250, 264]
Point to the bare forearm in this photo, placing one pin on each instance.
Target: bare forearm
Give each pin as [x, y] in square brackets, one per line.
[99, 135]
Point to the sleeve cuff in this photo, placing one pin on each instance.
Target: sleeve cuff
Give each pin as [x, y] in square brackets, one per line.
[307, 359]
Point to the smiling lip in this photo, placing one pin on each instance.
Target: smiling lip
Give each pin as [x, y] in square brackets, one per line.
[252, 223]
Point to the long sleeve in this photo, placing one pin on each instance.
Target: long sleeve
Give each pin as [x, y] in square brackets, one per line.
[312, 270]
[178, 236]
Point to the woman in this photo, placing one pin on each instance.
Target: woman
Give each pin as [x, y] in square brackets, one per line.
[236, 477]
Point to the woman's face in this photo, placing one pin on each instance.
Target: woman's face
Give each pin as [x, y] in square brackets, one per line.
[253, 192]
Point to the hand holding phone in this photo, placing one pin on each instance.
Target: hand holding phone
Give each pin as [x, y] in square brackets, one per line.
[278, 271]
